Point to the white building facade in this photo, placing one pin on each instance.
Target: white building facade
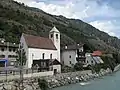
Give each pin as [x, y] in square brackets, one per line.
[43, 50]
[89, 60]
[36, 54]
[8, 52]
[69, 57]
[92, 60]
[69, 54]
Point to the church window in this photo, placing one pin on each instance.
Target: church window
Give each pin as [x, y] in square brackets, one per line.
[56, 36]
[51, 35]
[43, 55]
[69, 56]
[50, 56]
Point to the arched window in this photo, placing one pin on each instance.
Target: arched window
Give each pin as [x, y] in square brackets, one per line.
[56, 36]
[51, 35]
[50, 56]
[43, 55]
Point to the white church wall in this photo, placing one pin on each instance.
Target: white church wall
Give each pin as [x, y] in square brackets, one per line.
[35, 54]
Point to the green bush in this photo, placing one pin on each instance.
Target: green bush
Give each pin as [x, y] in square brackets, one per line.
[78, 66]
[66, 69]
[110, 62]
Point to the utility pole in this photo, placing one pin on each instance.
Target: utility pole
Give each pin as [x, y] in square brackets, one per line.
[21, 67]
[32, 66]
[7, 51]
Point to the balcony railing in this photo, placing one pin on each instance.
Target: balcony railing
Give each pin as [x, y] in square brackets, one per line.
[81, 53]
[80, 58]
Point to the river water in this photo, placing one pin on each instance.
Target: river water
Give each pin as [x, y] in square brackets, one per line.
[110, 82]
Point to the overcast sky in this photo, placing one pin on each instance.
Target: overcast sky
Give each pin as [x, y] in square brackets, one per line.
[102, 14]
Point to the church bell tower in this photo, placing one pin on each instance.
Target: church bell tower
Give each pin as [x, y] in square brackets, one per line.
[54, 35]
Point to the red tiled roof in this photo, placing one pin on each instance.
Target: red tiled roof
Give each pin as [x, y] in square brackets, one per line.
[39, 42]
[97, 53]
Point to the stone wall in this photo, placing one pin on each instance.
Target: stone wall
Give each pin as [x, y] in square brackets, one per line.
[53, 81]
[29, 84]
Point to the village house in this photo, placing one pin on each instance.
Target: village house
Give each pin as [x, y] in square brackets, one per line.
[43, 52]
[71, 54]
[93, 58]
[8, 53]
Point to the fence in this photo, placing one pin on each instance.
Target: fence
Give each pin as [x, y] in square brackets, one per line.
[14, 73]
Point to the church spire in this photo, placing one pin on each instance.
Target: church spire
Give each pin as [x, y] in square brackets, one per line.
[54, 29]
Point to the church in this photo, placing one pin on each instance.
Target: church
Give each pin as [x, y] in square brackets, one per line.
[43, 52]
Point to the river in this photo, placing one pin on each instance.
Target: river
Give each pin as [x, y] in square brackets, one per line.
[110, 82]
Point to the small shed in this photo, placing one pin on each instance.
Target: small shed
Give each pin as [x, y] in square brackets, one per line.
[56, 66]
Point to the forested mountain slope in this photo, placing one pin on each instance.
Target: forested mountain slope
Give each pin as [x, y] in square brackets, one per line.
[16, 18]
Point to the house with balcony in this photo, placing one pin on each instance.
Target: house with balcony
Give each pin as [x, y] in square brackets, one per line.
[8, 53]
[71, 54]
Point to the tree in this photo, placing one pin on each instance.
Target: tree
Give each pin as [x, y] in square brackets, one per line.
[1, 34]
[21, 60]
[109, 61]
[116, 56]
[78, 66]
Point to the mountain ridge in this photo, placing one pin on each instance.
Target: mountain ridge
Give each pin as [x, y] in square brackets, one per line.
[17, 18]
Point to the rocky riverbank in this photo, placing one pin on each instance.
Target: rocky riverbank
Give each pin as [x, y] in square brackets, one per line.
[53, 81]
[117, 68]
[74, 77]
